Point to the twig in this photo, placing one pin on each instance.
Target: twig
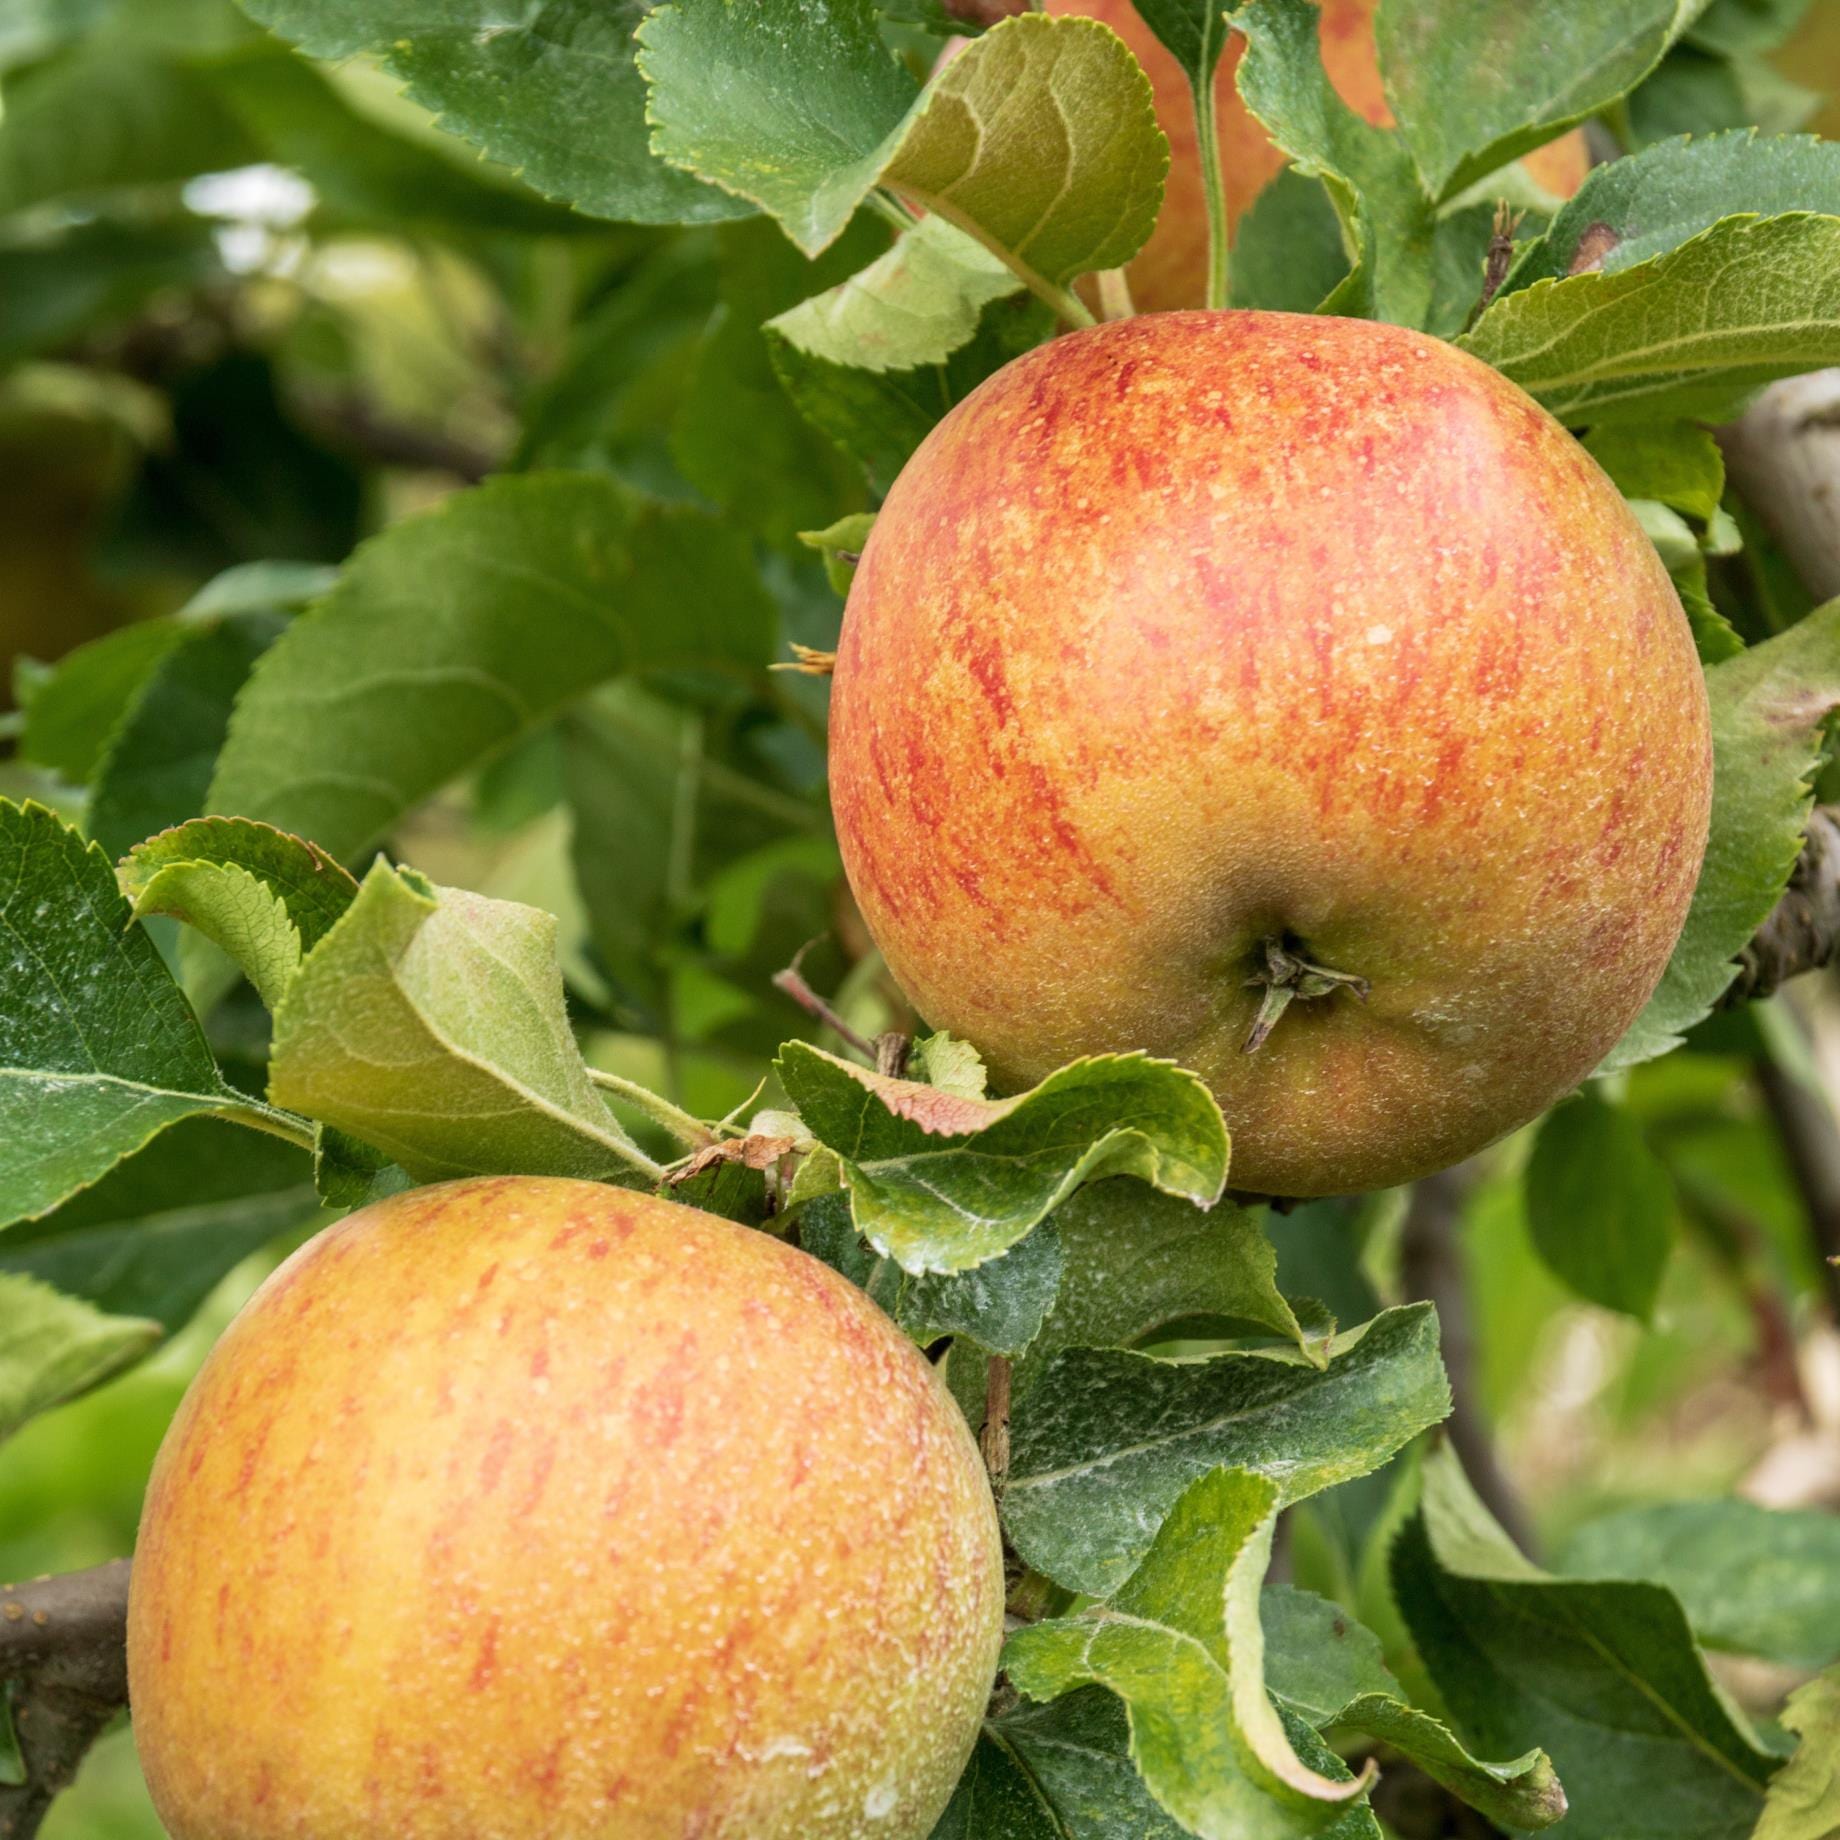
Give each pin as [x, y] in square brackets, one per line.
[1803, 930]
[794, 985]
[345, 417]
[993, 1440]
[1810, 1138]
[64, 1666]
[1431, 1267]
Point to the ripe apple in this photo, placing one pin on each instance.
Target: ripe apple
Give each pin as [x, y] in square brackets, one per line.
[1202, 658]
[1171, 269]
[536, 1510]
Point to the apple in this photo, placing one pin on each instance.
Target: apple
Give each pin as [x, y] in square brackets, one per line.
[1171, 269]
[1210, 676]
[523, 1509]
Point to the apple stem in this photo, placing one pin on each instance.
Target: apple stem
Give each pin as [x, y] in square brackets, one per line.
[1214, 185]
[1288, 975]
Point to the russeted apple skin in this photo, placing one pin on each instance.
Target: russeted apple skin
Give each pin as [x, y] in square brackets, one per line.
[1170, 271]
[1199, 629]
[537, 1510]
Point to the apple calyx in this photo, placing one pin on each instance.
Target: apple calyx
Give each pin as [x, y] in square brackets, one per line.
[1288, 975]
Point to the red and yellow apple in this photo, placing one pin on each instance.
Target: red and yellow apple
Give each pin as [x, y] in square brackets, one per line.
[1171, 269]
[1202, 637]
[537, 1510]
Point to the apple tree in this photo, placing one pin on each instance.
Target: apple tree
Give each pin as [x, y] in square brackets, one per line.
[1000, 835]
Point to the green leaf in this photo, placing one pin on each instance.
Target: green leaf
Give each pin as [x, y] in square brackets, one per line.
[431, 1024]
[1328, 1669]
[952, 1065]
[509, 82]
[1603, 1675]
[456, 631]
[878, 418]
[364, 176]
[943, 1183]
[1139, 1263]
[915, 305]
[156, 769]
[1104, 1441]
[782, 475]
[1001, 1305]
[1180, 1643]
[1600, 1206]
[1476, 83]
[1768, 707]
[1693, 332]
[1804, 1800]
[1039, 138]
[1752, 1580]
[53, 1347]
[1061, 1771]
[72, 715]
[164, 123]
[1675, 463]
[1630, 211]
[155, 1235]
[1288, 253]
[1386, 221]
[99, 1051]
[311, 889]
[840, 544]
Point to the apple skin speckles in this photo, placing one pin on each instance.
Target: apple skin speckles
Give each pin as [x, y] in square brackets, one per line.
[1198, 629]
[536, 1510]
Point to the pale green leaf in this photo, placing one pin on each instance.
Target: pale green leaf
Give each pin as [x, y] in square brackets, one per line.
[943, 1183]
[512, 81]
[53, 1347]
[1103, 1441]
[1001, 1305]
[1804, 1800]
[310, 888]
[952, 1065]
[1602, 1675]
[915, 305]
[1768, 707]
[431, 1023]
[1180, 1642]
[1476, 83]
[1693, 332]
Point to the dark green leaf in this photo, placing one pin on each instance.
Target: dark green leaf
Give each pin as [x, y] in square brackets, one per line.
[1288, 253]
[1476, 83]
[516, 87]
[1600, 1206]
[1768, 707]
[1631, 211]
[458, 630]
[155, 1235]
[943, 1183]
[1603, 1676]
[1103, 1441]
[98, 1050]
[1752, 1580]
[1180, 1642]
